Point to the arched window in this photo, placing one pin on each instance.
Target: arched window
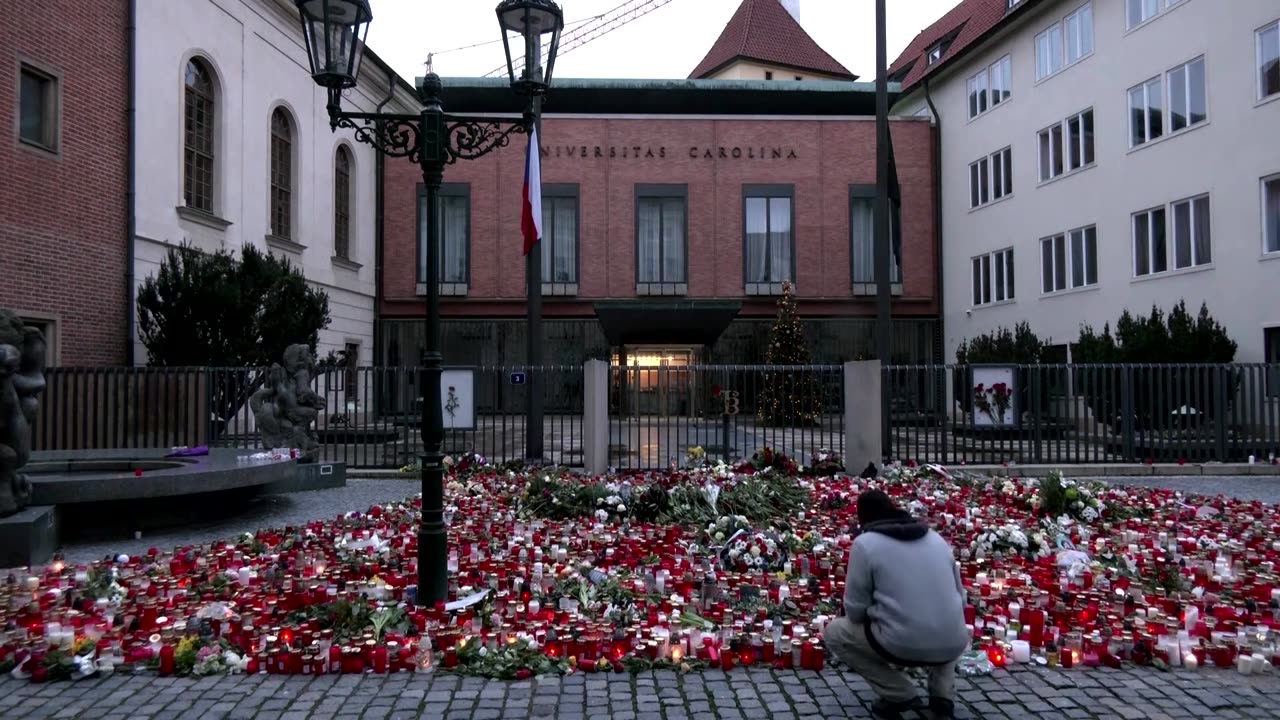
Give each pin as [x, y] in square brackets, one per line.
[198, 150]
[281, 173]
[342, 204]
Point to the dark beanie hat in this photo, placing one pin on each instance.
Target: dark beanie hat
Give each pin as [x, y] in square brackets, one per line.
[874, 505]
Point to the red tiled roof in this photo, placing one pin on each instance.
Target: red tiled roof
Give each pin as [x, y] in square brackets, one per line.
[964, 24]
[763, 31]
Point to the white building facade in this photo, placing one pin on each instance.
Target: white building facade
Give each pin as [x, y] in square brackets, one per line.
[234, 148]
[1109, 155]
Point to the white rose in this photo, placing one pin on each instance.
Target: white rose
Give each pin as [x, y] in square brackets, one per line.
[622, 508]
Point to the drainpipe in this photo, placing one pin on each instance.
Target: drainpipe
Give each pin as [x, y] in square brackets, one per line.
[379, 186]
[937, 218]
[131, 180]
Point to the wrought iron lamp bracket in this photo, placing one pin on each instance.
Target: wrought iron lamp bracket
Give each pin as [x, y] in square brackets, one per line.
[392, 135]
[469, 138]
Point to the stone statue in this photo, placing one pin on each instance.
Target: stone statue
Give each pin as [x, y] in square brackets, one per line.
[22, 356]
[285, 406]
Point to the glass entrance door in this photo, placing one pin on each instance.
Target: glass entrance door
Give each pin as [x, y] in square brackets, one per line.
[657, 380]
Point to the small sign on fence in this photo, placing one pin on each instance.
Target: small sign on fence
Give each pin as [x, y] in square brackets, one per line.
[517, 378]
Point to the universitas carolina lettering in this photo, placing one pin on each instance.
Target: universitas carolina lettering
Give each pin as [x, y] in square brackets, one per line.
[629, 152]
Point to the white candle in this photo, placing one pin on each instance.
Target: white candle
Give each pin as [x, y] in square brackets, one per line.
[1175, 654]
[1192, 617]
[784, 592]
[1014, 610]
[1190, 661]
[1244, 664]
[1021, 651]
[981, 578]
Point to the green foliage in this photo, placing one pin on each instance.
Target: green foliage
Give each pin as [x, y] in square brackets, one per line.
[507, 662]
[1158, 338]
[1021, 347]
[790, 397]
[352, 618]
[203, 309]
[1053, 495]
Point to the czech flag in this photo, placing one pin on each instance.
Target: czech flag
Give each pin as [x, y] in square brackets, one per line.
[531, 216]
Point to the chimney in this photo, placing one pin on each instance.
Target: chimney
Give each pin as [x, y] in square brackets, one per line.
[793, 7]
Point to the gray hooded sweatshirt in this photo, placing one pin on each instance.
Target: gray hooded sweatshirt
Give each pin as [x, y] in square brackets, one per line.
[904, 587]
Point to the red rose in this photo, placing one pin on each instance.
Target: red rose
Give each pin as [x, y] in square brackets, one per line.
[524, 674]
[715, 391]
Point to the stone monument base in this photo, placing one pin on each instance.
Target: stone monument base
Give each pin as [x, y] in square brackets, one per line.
[30, 537]
[310, 476]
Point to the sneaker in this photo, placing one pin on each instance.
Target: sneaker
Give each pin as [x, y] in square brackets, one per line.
[942, 708]
[886, 710]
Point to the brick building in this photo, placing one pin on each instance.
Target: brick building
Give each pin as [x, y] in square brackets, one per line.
[673, 212]
[64, 204]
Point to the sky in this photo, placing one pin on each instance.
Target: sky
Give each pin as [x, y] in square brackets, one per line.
[666, 43]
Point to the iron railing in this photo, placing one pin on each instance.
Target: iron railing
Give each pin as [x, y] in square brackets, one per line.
[371, 418]
[1072, 414]
[656, 414]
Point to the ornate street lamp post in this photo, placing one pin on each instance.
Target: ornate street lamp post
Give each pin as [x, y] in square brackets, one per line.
[335, 31]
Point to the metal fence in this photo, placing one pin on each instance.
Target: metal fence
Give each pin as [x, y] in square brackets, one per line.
[656, 414]
[371, 416]
[1084, 413]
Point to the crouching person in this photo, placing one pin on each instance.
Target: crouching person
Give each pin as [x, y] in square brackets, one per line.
[904, 607]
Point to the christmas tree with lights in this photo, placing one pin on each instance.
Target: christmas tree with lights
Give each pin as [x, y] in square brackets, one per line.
[791, 396]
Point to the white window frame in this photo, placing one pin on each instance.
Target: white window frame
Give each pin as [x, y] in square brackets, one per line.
[1186, 88]
[1085, 260]
[1150, 240]
[934, 55]
[1066, 145]
[1064, 57]
[1273, 26]
[989, 98]
[991, 178]
[1172, 232]
[1161, 7]
[1270, 225]
[1145, 87]
[985, 270]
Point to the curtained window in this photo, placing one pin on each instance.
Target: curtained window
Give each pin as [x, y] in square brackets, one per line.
[660, 238]
[560, 235]
[454, 233]
[1191, 233]
[862, 240]
[767, 235]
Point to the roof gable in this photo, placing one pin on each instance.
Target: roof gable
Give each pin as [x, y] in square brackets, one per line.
[763, 31]
[965, 25]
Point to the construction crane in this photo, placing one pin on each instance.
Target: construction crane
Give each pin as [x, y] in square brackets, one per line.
[596, 27]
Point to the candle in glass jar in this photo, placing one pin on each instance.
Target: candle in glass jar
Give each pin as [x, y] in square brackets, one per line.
[1021, 651]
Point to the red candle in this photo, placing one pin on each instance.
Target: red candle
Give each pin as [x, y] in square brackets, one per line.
[806, 656]
[166, 661]
[379, 659]
[451, 657]
[335, 659]
[726, 661]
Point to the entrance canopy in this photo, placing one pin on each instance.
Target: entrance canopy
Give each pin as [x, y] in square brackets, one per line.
[671, 322]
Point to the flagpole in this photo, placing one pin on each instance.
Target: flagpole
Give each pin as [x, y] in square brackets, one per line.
[884, 318]
[533, 281]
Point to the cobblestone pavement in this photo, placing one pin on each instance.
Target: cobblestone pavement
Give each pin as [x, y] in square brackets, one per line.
[1026, 693]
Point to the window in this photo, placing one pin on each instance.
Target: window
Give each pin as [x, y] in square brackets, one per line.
[1150, 255]
[1140, 11]
[281, 173]
[38, 108]
[342, 203]
[768, 74]
[660, 234]
[351, 370]
[935, 54]
[1049, 52]
[991, 178]
[767, 234]
[49, 329]
[993, 277]
[1065, 43]
[198, 137]
[559, 234]
[1069, 260]
[978, 94]
[990, 87]
[1187, 98]
[1066, 146]
[1269, 60]
[1079, 34]
[1191, 245]
[862, 203]
[1146, 114]
[1271, 214]
[455, 237]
